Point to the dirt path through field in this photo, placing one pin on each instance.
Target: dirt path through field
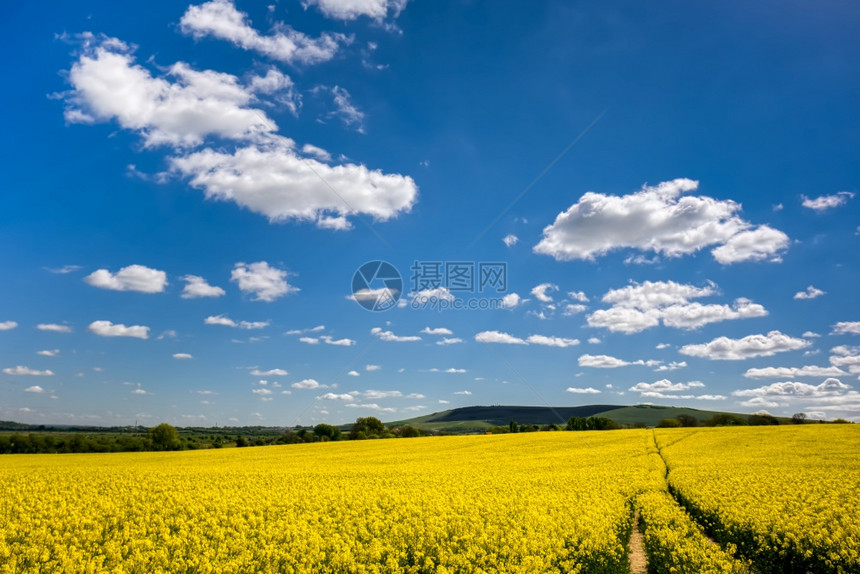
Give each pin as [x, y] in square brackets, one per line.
[638, 560]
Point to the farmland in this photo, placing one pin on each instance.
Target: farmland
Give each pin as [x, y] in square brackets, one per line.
[779, 498]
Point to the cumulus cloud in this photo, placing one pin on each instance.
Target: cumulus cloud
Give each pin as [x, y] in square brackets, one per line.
[220, 19]
[510, 240]
[370, 368]
[228, 322]
[182, 356]
[465, 393]
[308, 384]
[673, 366]
[848, 357]
[34, 389]
[661, 219]
[793, 372]
[511, 300]
[582, 391]
[825, 202]
[8, 325]
[179, 109]
[498, 337]
[640, 306]
[354, 374]
[109, 329]
[54, 328]
[552, 341]
[371, 407]
[335, 397]
[376, 395]
[726, 349]
[196, 287]
[609, 362]
[810, 293]
[263, 392]
[437, 331]
[449, 341]
[846, 328]
[542, 292]
[132, 278]
[831, 391]
[264, 282]
[351, 9]
[390, 337]
[27, 371]
[274, 181]
[49, 352]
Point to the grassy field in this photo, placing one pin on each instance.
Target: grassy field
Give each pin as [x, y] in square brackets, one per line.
[520, 503]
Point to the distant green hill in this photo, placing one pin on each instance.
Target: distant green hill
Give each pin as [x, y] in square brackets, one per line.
[480, 418]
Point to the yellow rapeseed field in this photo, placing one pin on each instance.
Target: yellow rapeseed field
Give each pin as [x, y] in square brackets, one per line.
[553, 502]
[541, 502]
[788, 497]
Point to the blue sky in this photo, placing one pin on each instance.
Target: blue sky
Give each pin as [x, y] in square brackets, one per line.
[189, 189]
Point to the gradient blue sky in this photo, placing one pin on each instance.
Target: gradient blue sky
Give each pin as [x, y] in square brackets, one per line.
[188, 189]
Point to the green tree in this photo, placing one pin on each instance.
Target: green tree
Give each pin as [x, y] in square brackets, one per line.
[164, 437]
[330, 432]
[367, 427]
[798, 418]
[513, 426]
[687, 420]
[668, 424]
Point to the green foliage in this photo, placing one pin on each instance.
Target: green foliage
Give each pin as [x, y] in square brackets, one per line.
[327, 432]
[165, 437]
[687, 420]
[669, 423]
[762, 419]
[725, 420]
[513, 427]
[798, 418]
[368, 428]
[591, 423]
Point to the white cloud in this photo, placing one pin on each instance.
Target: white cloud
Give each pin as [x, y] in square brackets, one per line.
[789, 372]
[228, 322]
[578, 296]
[573, 309]
[370, 368]
[63, 270]
[308, 384]
[810, 335]
[673, 366]
[198, 287]
[54, 328]
[264, 282]
[465, 393]
[418, 396]
[449, 341]
[425, 295]
[444, 402]
[511, 300]
[582, 391]
[825, 202]
[759, 244]
[659, 389]
[510, 240]
[810, 293]
[437, 331]
[776, 394]
[49, 352]
[390, 337]
[608, 362]
[317, 152]
[220, 19]
[335, 397]
[275, 182]
[594, 341]
[27, 371]
[498, 337]
[376, 395]
[660, 219]
[263, 392]
[309, 340]
[846, 328]
[8, 325]
[354, 374]
[640, 306]
[180, 109]
[845, 356]
[345, 110]
[182, 356]
[131, 278]
[34, 389]
[109, 329]
[344, 342]
[351, 9]
[725, 349]
[371, 407]
[552, 341]
[541, 292]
